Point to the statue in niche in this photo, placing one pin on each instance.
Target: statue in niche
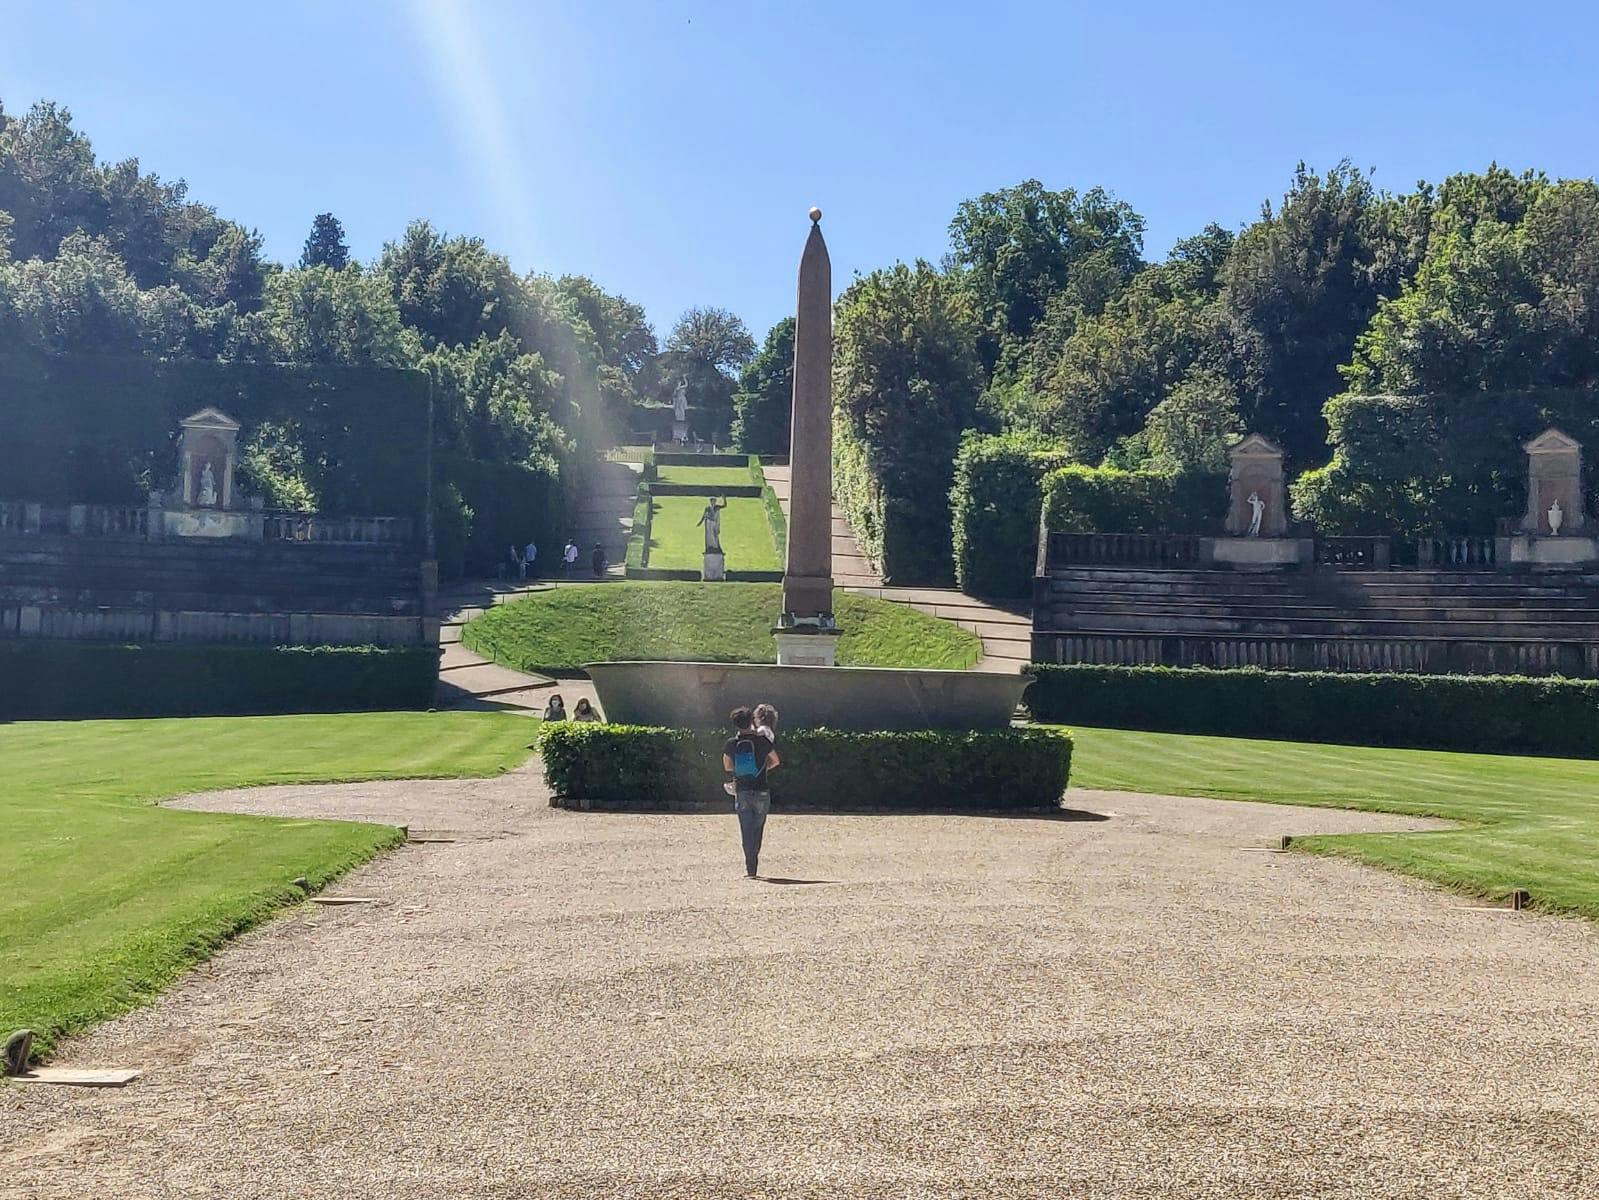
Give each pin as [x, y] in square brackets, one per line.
[1557, 517]
[208, 488]
[1257, 509]
[711, 519]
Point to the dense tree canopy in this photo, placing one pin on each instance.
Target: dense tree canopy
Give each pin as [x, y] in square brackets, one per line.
[325, 246]
[764, 401]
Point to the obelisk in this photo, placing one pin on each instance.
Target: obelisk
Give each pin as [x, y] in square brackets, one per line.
[806, 632]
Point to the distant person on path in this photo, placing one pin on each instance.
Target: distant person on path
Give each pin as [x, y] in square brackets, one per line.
[555, 710]
[766, 726]
[569, 557]
[747, 756]
[584, 711]
[529, 556]
[516, 563]
[597, 560]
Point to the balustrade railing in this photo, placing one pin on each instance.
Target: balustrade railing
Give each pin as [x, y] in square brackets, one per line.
[1456, 553]
[316, 527]
[1124, 549]
[1373, 552]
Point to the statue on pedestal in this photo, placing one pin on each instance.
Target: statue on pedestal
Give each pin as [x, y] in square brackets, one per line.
[1257, 509]
[208, 488]
[711, 520]
[680, 401]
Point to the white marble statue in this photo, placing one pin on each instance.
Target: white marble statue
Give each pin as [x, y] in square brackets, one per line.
[711, 519]
[680, 401]
[1257, 509]
[1557, 517]
[208, 487]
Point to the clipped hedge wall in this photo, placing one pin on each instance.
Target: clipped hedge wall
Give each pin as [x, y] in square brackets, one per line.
[101, 430]
[641, 767]
[1497, 713]
[49, 678]
[510, 505]
[994, 509]
[1079, 499]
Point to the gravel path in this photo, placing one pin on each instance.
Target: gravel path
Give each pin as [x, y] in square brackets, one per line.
[573, 1004]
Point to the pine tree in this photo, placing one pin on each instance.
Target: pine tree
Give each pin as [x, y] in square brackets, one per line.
[325, 247]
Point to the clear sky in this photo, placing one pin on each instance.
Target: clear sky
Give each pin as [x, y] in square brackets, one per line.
[671, 149]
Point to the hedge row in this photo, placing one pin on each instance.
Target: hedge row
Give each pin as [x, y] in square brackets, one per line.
[50, 679]
[1079, 499]
[509, 506]
[823, 769]
[1499, 713]
[994, 508]
[775, 520]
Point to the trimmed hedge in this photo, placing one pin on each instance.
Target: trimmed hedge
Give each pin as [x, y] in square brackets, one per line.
[91, 429]
[1078, 499]
[509, 505]
[994, 508]
[775, 520]
[639, 766]
[49, 678]
[1493, 713]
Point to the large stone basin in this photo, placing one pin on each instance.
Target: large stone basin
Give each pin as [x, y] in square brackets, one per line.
[698, 695]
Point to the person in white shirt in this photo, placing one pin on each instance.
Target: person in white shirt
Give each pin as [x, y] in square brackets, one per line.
[569, 557]
[528, 556]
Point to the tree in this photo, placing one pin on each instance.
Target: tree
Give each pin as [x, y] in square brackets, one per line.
[1298, 287]
[764, 402]
[319, 315]
[1022, 246]
[497, 404]
[325, 246]
[906, 384]
[714, 337]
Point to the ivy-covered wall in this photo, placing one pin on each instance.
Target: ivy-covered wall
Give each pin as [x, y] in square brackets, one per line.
[103, 430]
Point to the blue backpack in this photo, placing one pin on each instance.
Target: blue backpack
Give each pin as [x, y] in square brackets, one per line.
[745, 765]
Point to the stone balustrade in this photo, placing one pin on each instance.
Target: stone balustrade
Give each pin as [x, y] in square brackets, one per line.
[143, 522]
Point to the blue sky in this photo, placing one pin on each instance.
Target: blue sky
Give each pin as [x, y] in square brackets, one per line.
[671, 149]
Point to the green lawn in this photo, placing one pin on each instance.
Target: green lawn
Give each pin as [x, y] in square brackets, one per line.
[1533, 822]
[561, 629]
[677, 541]
[715, 477]
[108, 898]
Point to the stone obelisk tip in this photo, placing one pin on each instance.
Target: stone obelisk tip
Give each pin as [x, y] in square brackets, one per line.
[816, 214]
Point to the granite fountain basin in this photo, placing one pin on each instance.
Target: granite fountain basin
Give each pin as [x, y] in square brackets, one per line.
[699, 695]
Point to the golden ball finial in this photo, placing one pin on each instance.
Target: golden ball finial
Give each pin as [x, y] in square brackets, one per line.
[816, 215]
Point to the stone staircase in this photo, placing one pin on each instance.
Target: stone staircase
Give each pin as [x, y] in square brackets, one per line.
[1328, 619]
[1006, 632]
[603, 513]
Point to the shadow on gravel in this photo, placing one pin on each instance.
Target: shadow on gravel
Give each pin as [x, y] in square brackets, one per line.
[794, 882]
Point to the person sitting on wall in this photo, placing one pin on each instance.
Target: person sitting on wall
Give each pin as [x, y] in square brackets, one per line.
[584, 711]
[555, 710]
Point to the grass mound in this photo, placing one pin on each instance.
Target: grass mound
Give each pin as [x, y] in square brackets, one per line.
[559, 630]
[108, 898]
[677, 542]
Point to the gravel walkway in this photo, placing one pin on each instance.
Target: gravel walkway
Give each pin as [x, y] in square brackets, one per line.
[600, 1005]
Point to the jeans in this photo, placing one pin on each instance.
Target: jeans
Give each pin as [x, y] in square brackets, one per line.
[752, 808]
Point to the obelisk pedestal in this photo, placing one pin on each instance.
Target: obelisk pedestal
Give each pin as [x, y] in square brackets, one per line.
[806, 632]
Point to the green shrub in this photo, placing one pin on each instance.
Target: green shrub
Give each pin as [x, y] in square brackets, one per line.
[452, 530]
[633, 765]
[1079, 499]
[510, 505]
[49, 678]
[994, 507]
[1500, 713]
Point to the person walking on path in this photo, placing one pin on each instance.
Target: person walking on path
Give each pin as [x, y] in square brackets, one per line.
[569, 557]
[766, 726]
[748, 755]
[597, 561]
[518, 567]
[530, 555]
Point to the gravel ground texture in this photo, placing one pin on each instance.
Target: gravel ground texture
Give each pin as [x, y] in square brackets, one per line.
[1124, 1005]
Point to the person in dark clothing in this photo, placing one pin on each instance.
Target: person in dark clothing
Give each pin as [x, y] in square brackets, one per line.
[598, 560]
[748, 756]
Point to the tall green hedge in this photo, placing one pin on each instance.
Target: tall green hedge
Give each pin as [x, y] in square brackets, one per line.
[994, 508]
[1499, 713]
[775, 520]
[49, 678]
[638, 766]
[510, 506]
[103, 430]
[1079, 499]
